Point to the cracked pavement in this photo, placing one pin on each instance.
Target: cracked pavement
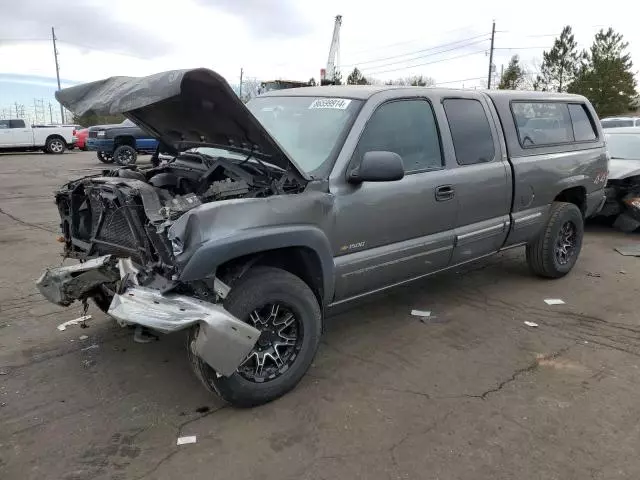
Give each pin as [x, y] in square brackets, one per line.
[472, 395]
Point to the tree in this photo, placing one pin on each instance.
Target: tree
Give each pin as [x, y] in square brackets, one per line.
[356, 78]
[560, 64]
[312, 82]
[414, 81]
[513, 77]
[606, 77]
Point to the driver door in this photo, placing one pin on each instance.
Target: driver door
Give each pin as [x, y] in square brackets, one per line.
[391, 232]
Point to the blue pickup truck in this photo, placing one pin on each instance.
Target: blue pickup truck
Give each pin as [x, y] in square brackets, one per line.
[120, 143]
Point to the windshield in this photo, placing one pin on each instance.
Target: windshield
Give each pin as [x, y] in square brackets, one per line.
[615, 122]
[308, 128]
[624, 145]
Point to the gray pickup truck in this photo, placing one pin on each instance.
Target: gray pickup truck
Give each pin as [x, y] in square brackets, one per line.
[272, 214]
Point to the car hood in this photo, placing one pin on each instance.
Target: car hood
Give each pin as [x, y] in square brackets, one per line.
[181, 108]
[621, 169]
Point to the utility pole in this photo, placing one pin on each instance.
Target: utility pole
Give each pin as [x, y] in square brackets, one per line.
[50, 113]
[241, 73]
[55, 56]
[493, 35]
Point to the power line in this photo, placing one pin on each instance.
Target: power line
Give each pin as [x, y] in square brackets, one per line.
[428, 63]
[458, 81]
[423, 50]
[391, 45]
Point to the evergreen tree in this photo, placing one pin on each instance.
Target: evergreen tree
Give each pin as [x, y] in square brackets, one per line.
[513, 76]
[560, 64]
[606, 78]
[356, 78]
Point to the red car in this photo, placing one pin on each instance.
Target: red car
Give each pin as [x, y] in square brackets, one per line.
[81, 138]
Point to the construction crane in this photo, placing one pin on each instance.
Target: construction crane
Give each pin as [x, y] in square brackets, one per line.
[327, 75]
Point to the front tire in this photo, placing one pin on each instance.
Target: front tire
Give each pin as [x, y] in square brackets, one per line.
[287, 312]
[554, 253]
[104, 157]
[125, 155]
[55, 145]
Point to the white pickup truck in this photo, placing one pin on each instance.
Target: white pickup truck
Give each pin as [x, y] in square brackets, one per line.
[16, 135]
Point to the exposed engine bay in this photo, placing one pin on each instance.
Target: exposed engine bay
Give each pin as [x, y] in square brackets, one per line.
[623, 203]
[126, 212]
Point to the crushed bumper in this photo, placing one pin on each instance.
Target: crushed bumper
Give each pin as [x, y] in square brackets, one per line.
[223, 341]
[63, 285]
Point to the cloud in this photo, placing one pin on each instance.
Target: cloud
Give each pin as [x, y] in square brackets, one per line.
[89, 24]
[265, 19]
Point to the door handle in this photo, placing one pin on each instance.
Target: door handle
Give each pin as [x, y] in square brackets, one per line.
[444, 193]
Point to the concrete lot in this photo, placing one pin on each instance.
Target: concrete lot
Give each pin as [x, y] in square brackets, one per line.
[473, 394]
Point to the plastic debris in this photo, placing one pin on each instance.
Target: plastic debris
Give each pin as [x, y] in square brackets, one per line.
[185, 440]
[632, 250]
[623, 272]
[593, 274]
[530, 324]
[421, 313]
[75, 321]
[84, 337]
[95, 346]
[553, 301]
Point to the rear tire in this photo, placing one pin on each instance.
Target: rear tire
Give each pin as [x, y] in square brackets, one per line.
[55, 145]
[125, 155]
[554, 253]
[260, 288]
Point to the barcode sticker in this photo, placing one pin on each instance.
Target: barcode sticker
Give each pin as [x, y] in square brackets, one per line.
[335, 103]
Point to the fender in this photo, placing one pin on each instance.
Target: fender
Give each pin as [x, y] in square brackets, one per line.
[213, 253]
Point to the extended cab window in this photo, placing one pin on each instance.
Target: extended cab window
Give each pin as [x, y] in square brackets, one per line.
[542, 123]
[16, 124]
[582, 125]
[408, 128]
[470, 131]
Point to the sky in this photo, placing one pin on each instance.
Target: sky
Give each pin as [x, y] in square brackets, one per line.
[289, 39]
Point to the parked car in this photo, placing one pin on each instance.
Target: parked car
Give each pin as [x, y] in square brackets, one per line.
[310, 199]
[120, 143]
[81, 138]
[623, 184]
[15, 135]
[616, 122]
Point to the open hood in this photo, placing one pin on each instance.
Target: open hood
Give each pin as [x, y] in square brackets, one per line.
[621, 169]
[181, 108]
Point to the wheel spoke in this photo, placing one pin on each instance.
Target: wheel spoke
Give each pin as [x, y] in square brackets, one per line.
[260, 358]
[285, 322]
[275, 308]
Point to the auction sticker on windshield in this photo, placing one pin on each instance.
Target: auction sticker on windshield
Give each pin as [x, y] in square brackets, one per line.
[335, 103]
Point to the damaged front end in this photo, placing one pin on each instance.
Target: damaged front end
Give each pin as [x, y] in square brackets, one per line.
[623, 203]
[117, 224]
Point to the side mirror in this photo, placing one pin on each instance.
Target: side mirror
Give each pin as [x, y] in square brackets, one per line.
[378, 167]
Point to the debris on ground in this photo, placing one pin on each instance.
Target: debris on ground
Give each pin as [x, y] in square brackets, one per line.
[80, 320]
[84, 337]
[185, 440]
[88, 363]
[530, 324]
[95, 346]
[421, 313]
[553, 301]
[2, 372]
[623, 272]
[632, 250]
[592, 274]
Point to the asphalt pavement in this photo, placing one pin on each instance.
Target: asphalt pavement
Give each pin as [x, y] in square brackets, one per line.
[471, 393]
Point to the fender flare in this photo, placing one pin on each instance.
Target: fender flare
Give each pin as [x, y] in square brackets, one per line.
[213, 253]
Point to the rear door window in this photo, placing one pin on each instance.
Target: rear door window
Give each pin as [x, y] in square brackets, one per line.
[16, 124]
[4, 124]
[470, 131]
[583, 129]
